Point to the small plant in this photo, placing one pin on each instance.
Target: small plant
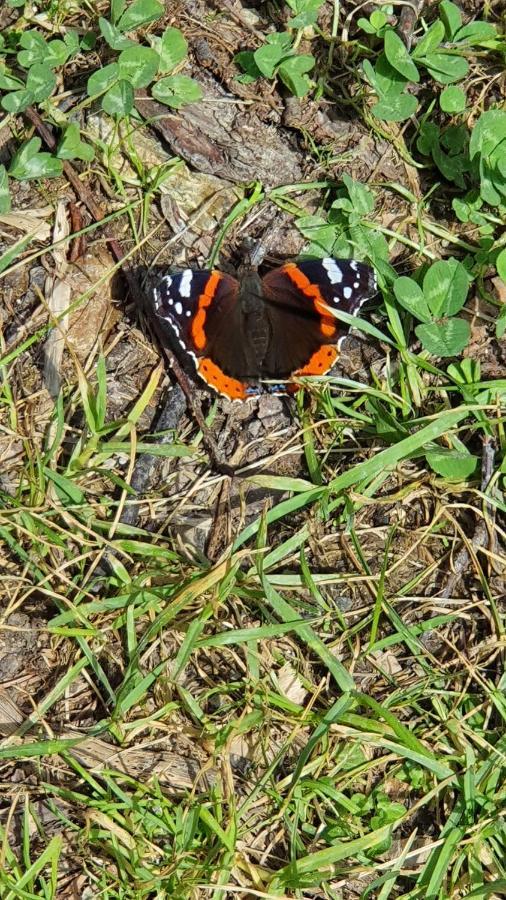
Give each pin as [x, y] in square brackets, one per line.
[31, 79]
[441, 52]
[449, 149]
[34, 79]
[278, 56]
[138, 67]
[435, 305]
[476, 157]
[487, 151]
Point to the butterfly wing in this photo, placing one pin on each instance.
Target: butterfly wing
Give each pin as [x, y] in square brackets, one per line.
[304, 335]
[202, 314]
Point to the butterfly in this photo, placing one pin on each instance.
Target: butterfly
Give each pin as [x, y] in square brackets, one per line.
[238, 333]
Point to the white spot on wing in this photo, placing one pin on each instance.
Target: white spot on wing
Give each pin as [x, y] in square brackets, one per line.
[347, 292]
[185, 283]
[179, 308]
[354, 265]
[333, 271]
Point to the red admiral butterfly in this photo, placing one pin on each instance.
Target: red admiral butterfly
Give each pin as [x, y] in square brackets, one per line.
[275, 327]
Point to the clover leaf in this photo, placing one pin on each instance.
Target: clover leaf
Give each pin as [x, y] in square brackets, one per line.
[72, 147]
[176, 91]
[29, 163]
[442, 294]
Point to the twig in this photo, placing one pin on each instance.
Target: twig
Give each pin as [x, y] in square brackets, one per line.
[408, 18]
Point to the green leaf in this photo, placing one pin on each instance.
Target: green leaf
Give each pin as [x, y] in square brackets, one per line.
[34, 48]
[138, 65]
[398, 56]
[451, 16]
[431, 39]
[500, 325]
[119, 100]
[362, 198]
[8, 82]
[387, 79]
[446, 339]
[306, 12]
[500, 265]
[445, 68]
[52, 53]
[456, 137]
[445, 287]
[452, 464]
[172, 49]
[246, 60]
[71, 41]
[17, 101]
[68, 492]
[72, 147]
[57, 53]
[475, 33]
[428, 137]
[317, 230]
[410, 295]
[378, 19]
[467, 209]
[365, 25]
[117, 10]
[452, 167]
[140, 12]
[293, 73]
[176, 91]
[395, 109]
[41, 82]
[370, 74]
[29, 163]
[102, 79]
[488, 132]
[5, 197]
[268, 57]
[453, 100]
[492, 179]
[113, 36]
[88, 41]
[246, 79]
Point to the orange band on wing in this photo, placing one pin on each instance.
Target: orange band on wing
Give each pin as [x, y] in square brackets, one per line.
[199, 320]
[321, 361]
[327, 325]
[216, 378]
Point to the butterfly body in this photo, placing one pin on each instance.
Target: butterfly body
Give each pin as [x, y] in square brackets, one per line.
[239, 333]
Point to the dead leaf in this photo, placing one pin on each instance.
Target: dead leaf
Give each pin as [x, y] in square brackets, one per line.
[290, 685]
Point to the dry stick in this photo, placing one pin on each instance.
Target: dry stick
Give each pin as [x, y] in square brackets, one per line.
[408, 18]
[97, 213]
[481, 535]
